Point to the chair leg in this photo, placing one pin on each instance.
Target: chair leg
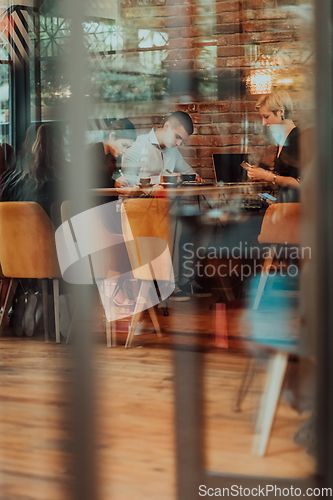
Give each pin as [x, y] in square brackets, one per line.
[108, 332]
[154, 319]
[114, 333]
[45, 310]
[248, 375]
[56, 309]
[225, 282]
[276, 372]
[109, 325]
[137, 313]
[264, 277]
[8, 302]
[71, 325]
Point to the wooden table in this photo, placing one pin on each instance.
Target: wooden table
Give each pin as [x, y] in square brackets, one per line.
[240, 188]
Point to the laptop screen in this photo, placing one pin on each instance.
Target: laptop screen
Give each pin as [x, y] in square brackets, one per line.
[227, 167]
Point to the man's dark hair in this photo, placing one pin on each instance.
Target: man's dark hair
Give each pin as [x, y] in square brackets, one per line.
[184, 119]
[123, 129]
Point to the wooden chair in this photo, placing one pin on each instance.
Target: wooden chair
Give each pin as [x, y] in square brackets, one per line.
[146, 228]
[28, 250]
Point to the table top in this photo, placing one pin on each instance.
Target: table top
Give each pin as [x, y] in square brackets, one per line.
[240, 188]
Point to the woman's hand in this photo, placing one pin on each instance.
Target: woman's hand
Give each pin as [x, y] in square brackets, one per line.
[259, 174]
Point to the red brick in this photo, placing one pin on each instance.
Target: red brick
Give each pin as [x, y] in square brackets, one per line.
[226, 28]
[209, 19]
[128, 3]
[229, 17]
[237, 62]
[230, 150]
[256, 140]
[231, 39]
[187, 54]
[229, 140]
[230, 51]
[221, 118]
[190, 53]
[258, 4]
[200, 140]
[272, 14]
[207, 173]
[180, 43]
[254, 26]
[277, 37]
[236, 128]
[174, 33]
[242, 106]
[227, 6]
[214, 107]
[204, 42]
[222, 40]
[187, 152]
[179, 21]
[150, 23]
[201, 118]
[208, 130]
[221, 62]
[184, 2]
[189, 10]
[174, 54]
[146, 12]
[204, 152]
[191, 32]
[204, 10]
[202, 162]
[187, 108]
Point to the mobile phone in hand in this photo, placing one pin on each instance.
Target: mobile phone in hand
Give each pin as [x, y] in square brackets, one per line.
[245, 165]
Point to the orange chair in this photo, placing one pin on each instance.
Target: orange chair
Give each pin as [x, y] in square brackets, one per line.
[8, 297]
[28, 250]
[280, 226]
[146, 228]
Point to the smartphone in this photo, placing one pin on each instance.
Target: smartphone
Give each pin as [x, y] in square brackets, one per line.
[267, 196]
[245, 165]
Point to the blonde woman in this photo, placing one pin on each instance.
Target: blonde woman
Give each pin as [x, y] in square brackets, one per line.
[276, 111]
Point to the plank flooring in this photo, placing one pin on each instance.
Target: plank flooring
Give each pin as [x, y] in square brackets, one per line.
[134, 412]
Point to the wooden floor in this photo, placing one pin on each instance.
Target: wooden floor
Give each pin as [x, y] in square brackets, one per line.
[135, 413]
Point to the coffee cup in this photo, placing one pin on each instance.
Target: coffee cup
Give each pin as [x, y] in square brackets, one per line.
[169, 179]
[188, 177]
[145, 181]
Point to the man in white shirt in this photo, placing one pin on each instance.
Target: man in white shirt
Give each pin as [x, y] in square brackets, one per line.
[157, 153]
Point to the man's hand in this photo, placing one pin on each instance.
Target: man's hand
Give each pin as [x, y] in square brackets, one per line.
[198, 179]
[122, 181]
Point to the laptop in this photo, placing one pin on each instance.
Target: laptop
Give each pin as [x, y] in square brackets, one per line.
[227, 167]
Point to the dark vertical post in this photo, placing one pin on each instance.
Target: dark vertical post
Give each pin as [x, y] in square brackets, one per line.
[82, 383]
[20, 109]
[188, 382]
[324, 219]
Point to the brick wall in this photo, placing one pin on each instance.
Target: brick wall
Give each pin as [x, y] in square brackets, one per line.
[220, 43]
